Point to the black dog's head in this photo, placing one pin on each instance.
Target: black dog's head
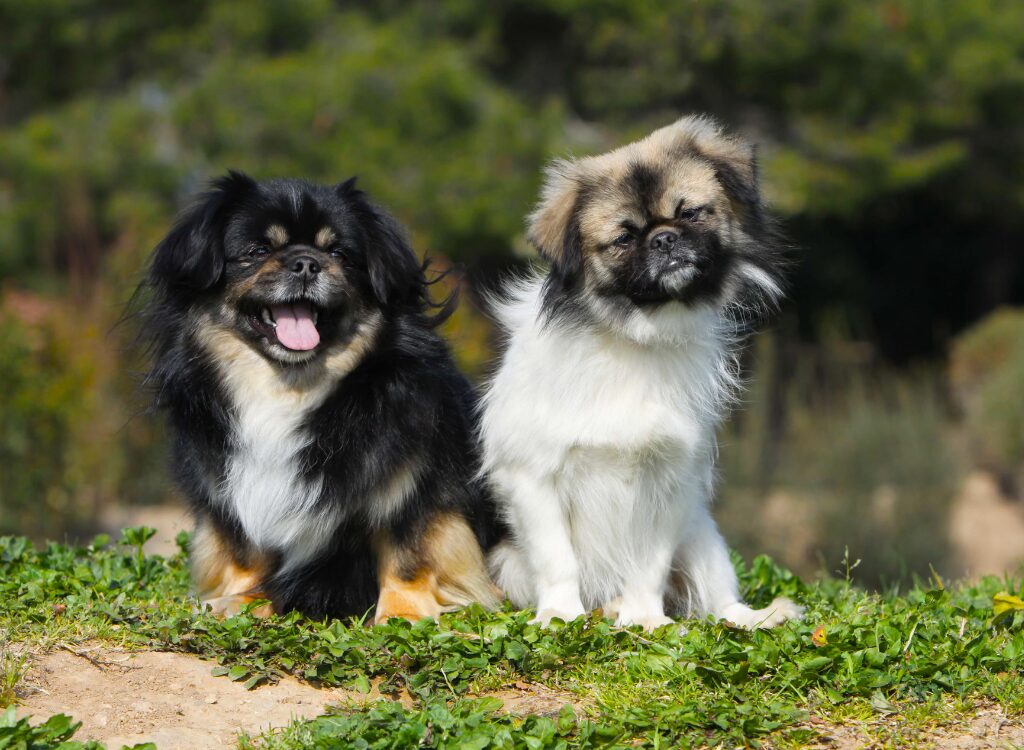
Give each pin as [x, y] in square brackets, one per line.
[287, 265]
[674, 218]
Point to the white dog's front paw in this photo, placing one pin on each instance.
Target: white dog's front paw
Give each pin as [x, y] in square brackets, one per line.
[648, 622]
[776, 613]
[545, 616]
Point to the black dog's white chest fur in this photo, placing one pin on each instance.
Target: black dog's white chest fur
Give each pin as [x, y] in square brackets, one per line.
[274, 503]
[265, 487]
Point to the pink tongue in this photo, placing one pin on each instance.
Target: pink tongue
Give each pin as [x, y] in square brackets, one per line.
[295, 328]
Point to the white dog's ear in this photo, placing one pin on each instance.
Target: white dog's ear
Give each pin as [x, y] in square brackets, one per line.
[552, 227]
[761, 265]
[733, 158]
[737, 171]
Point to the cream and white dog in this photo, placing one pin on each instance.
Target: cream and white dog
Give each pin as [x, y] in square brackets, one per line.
[599, 427]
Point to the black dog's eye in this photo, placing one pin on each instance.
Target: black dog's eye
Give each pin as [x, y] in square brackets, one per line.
[689, 214]
[258, 251]
[336, 251]
[623, 240]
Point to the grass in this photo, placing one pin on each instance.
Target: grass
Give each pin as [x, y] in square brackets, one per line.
[13, 666]
[897, 664]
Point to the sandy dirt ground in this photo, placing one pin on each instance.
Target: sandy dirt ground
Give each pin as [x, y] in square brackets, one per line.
[169, 699]
[988, 729]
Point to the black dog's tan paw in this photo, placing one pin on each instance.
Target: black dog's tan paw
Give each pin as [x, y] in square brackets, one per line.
[229, 606]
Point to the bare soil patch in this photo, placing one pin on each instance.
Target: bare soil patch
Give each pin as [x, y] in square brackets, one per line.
[166, 698]
[529, 698]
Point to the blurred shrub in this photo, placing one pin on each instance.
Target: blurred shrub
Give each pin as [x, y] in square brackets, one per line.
[62, 420]
[46, 393]
[864, 462]
[325, 96]
[884, 469]
[987, 371]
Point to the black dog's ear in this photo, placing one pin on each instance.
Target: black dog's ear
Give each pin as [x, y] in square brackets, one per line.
[348, 188]
[395, 274]
[191, 256]
[553, 227]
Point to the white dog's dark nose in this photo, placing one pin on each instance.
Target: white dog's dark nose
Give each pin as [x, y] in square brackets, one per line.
[663, 241]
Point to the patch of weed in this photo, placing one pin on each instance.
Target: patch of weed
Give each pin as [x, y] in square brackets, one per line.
[462, 724]
[13, 666]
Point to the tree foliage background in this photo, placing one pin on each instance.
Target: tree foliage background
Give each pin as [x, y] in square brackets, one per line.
[891, 139]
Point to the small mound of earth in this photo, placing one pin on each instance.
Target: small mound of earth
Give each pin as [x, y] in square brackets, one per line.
[171, 699]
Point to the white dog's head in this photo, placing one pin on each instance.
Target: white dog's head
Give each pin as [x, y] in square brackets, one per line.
[673, 223]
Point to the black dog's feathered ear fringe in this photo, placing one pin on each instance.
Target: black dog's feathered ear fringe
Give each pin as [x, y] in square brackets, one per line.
[399, 282]
[191, 257]
[445, 307]
[186, 263]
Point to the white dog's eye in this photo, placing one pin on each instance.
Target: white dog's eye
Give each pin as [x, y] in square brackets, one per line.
[623, 240]
[690, 213]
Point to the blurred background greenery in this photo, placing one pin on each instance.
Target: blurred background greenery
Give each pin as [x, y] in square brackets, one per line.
[885, 412]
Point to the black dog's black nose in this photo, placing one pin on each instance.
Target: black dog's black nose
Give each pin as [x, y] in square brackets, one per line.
[305, 266]
[664, 241]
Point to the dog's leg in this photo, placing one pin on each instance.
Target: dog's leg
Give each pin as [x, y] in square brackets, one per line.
[410, 598]
[453, 553]
[703, 560]
[408, 588]
[536, 514]
[642, 601]
[443, 572]
[223, 584]
[508, 567]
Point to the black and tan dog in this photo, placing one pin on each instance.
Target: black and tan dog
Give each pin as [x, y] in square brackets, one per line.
[321, 430]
